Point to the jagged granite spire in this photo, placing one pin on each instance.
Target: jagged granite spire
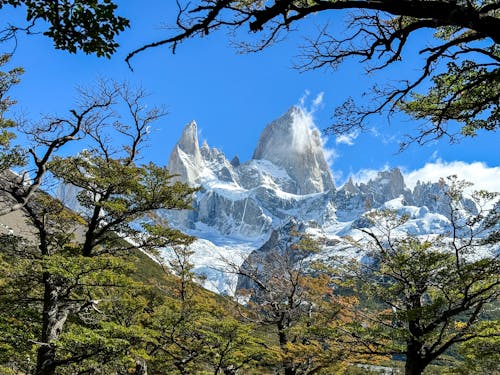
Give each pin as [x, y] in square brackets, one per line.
[294, 144]
[185, 159]
[350, 187]
[235, 162]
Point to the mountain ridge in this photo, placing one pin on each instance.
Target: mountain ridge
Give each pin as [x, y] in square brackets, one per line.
[241, 204]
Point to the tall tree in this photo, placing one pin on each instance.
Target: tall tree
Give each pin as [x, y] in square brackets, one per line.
[194, 331]
[297, 304]
[433, 292]
[457, 90]
[76, 262]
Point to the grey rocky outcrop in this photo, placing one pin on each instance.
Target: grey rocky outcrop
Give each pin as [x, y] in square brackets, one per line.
[292, 144]
[185, 160]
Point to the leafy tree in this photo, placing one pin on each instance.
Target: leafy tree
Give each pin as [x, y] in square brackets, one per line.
[9, 156]
[74, 264]
[480, 355]
[459, 81]
[433, 292]
[298, 305]
[89, 26]
[193, 331]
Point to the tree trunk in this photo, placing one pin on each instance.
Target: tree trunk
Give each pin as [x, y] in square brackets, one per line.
[283, 340]
[141, 367]
[53, 319]
[45, 360]
[414, 364]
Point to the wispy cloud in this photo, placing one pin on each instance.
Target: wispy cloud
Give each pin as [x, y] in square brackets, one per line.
[385, 138]
[305, 125]
[347, 139]
[330, 155]
[317, 102]
[303, 98]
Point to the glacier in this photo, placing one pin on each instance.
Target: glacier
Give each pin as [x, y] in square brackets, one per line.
[241, 205]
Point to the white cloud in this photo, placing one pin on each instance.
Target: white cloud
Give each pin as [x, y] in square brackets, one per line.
[303, 98]
[384, 137]
[304, 126]
[330, 155]
[317, 102]
[483, 176]
[347, 139]
[434, 156]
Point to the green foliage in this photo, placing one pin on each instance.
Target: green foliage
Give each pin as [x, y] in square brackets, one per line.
[480, 355]
[89, 26]
[432, 292]
[68, 284]
[8, 156]
[467, 93]
[194, 331]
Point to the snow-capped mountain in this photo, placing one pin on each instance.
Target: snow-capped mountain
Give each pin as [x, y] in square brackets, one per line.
[242, 207]
[249, 199]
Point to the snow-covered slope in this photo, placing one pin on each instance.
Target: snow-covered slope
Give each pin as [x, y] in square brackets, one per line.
[240, 205]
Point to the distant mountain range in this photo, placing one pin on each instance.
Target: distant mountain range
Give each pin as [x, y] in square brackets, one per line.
[241, 204]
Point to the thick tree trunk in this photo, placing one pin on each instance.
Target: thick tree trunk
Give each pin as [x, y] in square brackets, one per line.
[53, 319]
[413, 368]
[414, 364]
[45, 364]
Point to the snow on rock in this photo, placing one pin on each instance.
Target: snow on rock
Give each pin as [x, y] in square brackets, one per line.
[215, 256]
[185, 159]
[293, 143]
[240, 204]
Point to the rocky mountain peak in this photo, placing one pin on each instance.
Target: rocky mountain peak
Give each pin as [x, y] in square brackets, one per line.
[189, 140]
[205, 148]
[385, 186]
[235, 162]
[185, 159]
[293, 143]
[350, 187]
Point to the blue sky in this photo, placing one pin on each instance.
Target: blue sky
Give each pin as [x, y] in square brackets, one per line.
[233, 96]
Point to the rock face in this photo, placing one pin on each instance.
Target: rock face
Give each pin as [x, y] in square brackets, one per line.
[249, 199]
[354, 199]
[185, 159]
[275, 256]
[244, 210]
[294, 144]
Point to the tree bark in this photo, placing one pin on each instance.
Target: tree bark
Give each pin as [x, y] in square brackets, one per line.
[141, 367]
[414, 364]
[283, 340]
[53, 319]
